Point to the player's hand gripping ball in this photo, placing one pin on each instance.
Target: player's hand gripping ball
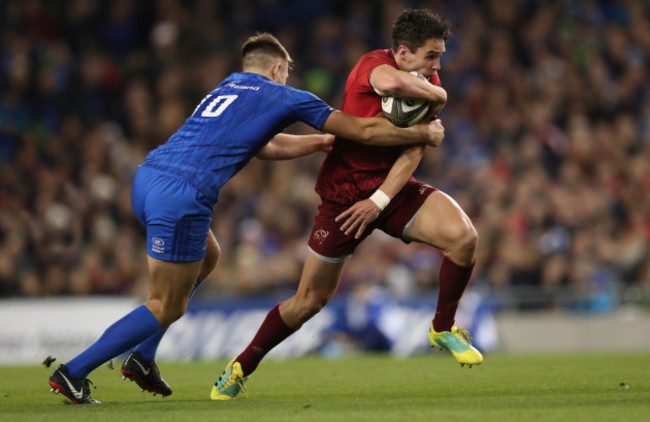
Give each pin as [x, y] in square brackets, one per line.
[405, 112]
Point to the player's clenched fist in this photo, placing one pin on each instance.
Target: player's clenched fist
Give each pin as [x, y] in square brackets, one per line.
[436, 133]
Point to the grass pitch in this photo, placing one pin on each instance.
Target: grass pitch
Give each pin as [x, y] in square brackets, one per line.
[362, 388]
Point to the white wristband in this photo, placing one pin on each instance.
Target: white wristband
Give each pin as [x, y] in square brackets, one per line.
[380, 199]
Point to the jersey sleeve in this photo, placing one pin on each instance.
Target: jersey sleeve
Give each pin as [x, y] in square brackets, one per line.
[308, 108]
[367, 64]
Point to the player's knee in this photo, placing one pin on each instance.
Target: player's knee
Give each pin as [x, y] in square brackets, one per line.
[469, 242]
[461, 241]
[301, 308]
[470, 238]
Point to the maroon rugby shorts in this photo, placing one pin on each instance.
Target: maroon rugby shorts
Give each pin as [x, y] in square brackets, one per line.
[330, 243]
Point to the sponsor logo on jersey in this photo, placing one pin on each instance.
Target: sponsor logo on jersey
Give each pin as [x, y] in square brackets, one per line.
[234, 85]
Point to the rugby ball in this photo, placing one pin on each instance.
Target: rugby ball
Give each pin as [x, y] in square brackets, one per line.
[405, 112]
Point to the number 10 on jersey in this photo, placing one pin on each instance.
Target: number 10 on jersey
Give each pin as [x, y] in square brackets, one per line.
[217, 105]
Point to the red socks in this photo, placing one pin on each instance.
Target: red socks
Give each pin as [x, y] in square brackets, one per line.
[453, 280]
[272, 332]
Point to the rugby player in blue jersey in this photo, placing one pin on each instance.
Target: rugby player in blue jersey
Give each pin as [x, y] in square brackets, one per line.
[177, 186]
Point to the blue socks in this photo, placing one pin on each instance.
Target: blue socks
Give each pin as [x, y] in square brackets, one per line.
[149, 347]
[117, 339]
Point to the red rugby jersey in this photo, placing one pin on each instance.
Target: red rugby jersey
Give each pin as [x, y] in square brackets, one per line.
[353, 171]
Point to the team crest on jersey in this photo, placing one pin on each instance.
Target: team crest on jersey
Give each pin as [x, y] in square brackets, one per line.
[320, 235]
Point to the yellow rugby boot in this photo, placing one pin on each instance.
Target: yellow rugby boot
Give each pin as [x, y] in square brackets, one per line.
[459, 342]
[230, 383]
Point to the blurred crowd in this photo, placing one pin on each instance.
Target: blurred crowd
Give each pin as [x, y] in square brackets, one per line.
[547, 146]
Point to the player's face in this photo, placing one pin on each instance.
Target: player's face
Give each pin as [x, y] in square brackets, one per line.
[426, 59]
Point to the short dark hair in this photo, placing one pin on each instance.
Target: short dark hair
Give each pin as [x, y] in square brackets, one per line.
[261, 49]
[413, 27]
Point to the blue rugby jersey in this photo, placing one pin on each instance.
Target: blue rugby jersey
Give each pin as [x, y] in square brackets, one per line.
[230, 126]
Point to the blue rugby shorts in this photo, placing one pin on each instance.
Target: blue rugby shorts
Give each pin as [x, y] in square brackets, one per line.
[175, 214]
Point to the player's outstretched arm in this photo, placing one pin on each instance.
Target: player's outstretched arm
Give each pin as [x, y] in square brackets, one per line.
[357, 218]
[284, 146]
[380, 132]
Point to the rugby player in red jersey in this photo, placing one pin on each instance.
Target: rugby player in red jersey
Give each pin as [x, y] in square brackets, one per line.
[363, 188]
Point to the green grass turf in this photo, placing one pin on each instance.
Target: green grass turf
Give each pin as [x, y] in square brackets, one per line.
[362, 388]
